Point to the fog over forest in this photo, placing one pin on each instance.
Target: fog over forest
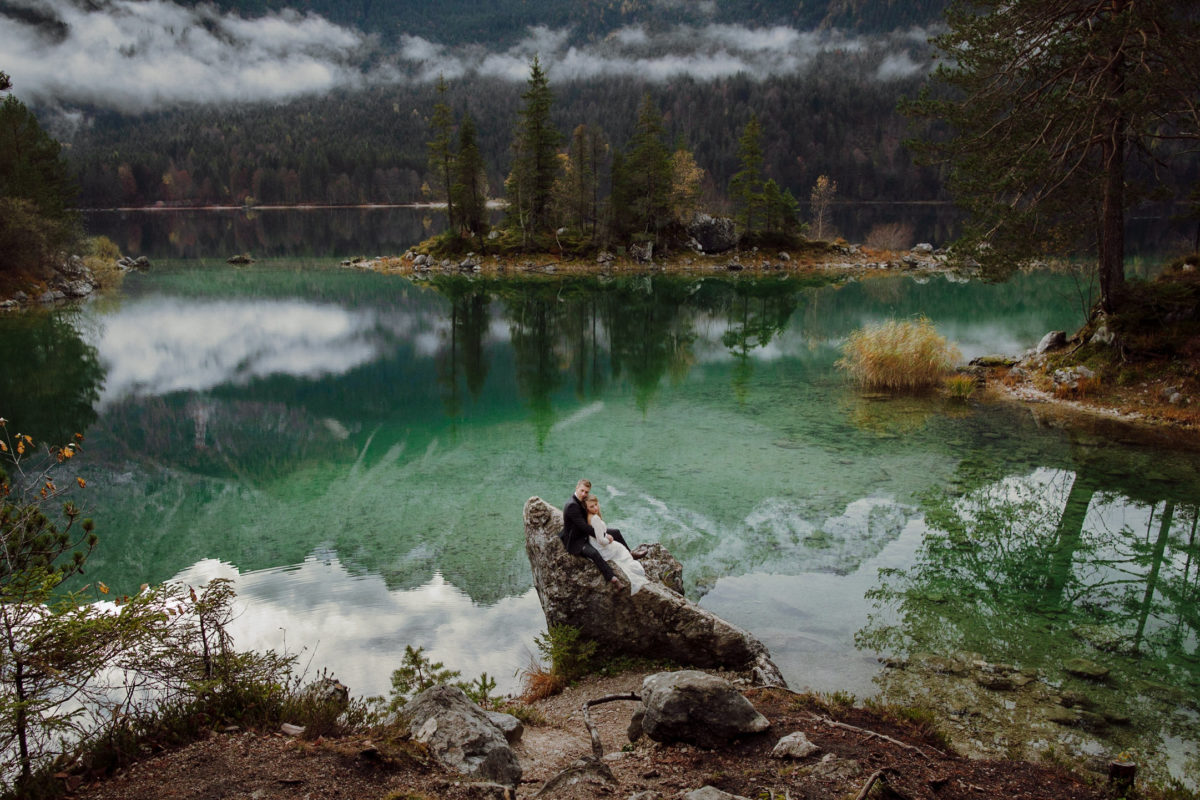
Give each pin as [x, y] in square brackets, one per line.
[137, 56]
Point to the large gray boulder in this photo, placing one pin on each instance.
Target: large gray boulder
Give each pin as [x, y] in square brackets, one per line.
[695, 707]
[657, 622]
[714, 234]
[459, 734]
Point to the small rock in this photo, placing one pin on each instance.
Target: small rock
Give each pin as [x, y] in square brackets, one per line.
[51, 296]
[509, 725]
[783, 256]
[794, 745]
[1082, 668]
[634, 731]
[649, 794]
[994, 361]
[734, 266]
[1176, 399]
[924, 248]
[240, 258]
[693, 706]
[292, 730]
[1084, 372]
[1053, 340]
[711, 793]
[1061, 716]
[485, 790]
[995, 682]
[836, 768]
[1103, 336]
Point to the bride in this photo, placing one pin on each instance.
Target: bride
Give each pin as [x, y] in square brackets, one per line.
[618, 553]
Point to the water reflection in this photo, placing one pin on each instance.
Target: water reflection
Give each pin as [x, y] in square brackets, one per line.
[52, 375]
[357, 627]
[272, 417]
[1038, 570]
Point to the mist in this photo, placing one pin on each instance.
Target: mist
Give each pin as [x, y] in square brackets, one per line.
[138, 56]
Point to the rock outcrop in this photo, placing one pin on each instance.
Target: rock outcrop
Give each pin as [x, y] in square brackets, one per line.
[656, 622]
[459, 734]
[698, 708]
[713, 234]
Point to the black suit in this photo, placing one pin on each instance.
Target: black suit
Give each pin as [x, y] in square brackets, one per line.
[575, 534]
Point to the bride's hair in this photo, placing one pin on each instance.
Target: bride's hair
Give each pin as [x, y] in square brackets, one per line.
[592, 501]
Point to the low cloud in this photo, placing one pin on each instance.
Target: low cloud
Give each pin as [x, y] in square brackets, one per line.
[142, 55]
[138, 55]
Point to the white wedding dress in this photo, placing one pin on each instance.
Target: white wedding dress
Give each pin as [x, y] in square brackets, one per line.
[613, 551]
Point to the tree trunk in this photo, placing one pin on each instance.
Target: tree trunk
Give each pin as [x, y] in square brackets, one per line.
[1112, 221]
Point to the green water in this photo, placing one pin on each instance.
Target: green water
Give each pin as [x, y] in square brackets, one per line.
[355, 451]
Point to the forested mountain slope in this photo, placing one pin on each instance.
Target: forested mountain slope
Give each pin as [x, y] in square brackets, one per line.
[502, 21]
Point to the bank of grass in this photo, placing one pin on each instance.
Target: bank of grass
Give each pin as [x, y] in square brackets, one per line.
[898, 356]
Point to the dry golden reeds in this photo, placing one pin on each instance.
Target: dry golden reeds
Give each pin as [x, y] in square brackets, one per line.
[900, 355]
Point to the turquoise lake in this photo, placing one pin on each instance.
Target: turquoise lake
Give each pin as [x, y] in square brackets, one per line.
[354, 450]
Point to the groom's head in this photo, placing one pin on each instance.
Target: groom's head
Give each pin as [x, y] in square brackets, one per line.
[583, 489]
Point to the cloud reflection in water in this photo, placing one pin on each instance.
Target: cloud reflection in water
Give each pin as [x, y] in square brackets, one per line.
[357, 627]
[161, 346]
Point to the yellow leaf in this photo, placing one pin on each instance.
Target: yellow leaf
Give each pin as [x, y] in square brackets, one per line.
[28, 439]
[82, 483]
[3, 447]
[102, 587]
[20, 448]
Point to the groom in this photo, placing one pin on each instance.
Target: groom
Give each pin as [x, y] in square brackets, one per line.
[576, 531]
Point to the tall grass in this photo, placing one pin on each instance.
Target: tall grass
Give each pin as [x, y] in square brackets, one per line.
[901, 355]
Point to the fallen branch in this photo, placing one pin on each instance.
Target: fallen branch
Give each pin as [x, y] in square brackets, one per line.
[886, 738]
[879, 775]
[597, 748]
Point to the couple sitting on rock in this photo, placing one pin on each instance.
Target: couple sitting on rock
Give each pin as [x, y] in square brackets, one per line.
[585, 534]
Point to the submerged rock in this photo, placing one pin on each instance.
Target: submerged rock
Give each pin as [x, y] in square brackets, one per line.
[657, 622]
[1082, 668]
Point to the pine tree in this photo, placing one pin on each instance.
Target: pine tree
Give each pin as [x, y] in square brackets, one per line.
[469, 192]
[581, 184]
[746, 185]
[535, 157]
[1049, 104]
[441, 151]
[648, 172]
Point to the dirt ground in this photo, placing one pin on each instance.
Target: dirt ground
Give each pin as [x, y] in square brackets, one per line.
[271, 766]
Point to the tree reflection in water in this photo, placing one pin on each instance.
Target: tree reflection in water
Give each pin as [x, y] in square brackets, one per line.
[51, 378]
[1036, 571]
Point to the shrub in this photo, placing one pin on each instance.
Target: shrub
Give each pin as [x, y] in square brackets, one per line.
[569, 655]
[890, 236]
[101, 258]
[959, 387]
[905, 355]
[416, 674]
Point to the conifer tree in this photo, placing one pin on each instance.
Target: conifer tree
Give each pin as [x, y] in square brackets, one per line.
[581, 188]
[746, 185]
[441, 151]
[469, 192]
[1049, 105]
[535, 157]
[647, 173]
